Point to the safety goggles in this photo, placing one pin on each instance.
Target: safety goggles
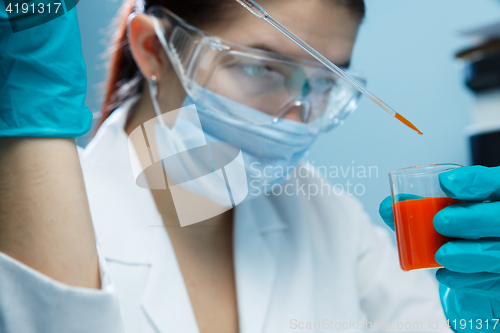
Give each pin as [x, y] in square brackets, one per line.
[272, 83]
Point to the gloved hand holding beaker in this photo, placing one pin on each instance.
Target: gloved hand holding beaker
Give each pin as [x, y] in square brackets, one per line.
[470, 279]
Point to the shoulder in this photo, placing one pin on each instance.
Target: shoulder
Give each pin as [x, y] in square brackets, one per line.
[308, 198]
[111, 133]
[306, 212]
[318, 192]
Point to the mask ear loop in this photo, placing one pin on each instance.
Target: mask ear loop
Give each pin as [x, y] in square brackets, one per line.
[153, 92]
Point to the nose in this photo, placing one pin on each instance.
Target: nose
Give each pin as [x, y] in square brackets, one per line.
[298, 110]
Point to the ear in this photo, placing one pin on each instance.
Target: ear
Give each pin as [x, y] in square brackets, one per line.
[145, 46]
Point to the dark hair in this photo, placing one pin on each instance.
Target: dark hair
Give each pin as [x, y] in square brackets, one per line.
[124, 78]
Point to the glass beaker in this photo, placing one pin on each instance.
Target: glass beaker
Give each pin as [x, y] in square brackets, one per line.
[417, 197]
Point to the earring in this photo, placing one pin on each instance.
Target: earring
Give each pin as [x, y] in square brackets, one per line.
[153, 91]
[154, 85]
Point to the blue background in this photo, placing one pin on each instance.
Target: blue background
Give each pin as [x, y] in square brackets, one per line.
[406, 49]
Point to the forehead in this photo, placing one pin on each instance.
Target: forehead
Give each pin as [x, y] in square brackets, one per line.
[329, 28]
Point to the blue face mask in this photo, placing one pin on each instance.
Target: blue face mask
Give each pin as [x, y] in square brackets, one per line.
[269, 150]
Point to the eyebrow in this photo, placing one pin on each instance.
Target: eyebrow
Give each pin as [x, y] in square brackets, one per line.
[267, 48]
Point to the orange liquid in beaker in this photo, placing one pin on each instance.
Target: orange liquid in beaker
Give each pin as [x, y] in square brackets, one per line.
[418, 241]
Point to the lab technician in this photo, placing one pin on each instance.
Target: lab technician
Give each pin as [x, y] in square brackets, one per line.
[275, 263]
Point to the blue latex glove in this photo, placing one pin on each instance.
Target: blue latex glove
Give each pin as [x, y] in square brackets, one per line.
[470, 279]
[43, 79]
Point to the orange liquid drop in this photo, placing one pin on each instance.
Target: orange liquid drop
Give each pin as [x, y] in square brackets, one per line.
[418, 241]
[407, 123]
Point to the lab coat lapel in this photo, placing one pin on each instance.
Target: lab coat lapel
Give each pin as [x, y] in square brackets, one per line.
[165, 300]
[255, 267]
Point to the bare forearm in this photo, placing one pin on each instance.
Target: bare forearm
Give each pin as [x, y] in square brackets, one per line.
[44, 215]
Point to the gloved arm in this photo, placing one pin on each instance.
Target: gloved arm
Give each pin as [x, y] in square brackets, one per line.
[42, 91]
[470, 279]
[51, 278]
[44, 215]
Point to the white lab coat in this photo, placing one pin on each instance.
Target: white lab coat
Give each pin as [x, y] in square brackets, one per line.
[300, 265]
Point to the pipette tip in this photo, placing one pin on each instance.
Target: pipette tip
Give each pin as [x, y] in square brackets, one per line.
[408, 123]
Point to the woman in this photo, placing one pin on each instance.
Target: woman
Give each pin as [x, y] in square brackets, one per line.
[273, 264]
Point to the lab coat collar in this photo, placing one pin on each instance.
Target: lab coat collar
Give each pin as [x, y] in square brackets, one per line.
[135, 236]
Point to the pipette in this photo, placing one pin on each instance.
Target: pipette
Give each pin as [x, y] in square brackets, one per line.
[258, 11]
